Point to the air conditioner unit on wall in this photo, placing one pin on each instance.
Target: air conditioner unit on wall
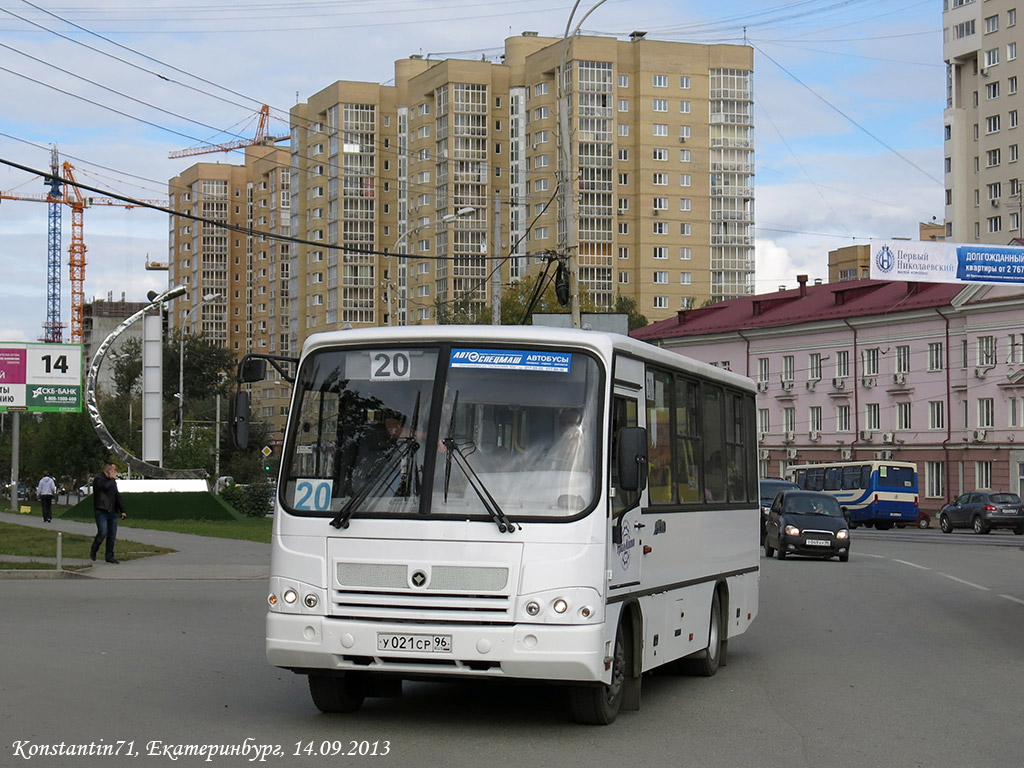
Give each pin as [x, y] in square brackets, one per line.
[899, 378]
[838, 383]
[888, 437]
[791, 453]
[787, 384]
[811, 385]
[814, 436]
[846, 454]
[979, 435]
[762, 386]
[764, 453]
[866, 435]
[790, 437]
[868, 381]
[883, 455]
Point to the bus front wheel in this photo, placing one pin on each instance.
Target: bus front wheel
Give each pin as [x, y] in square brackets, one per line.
[599, 704]
[334, 694]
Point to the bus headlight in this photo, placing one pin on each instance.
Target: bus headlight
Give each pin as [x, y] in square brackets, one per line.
[792, 530]
[560, 606]
[290, 596]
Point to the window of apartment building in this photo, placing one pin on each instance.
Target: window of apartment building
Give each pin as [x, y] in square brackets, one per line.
[986, 412]
[685, 204]
[623, 179]
[623, 277]
[685, 180]
[423, 268]
[541, 233]
[1015, 348]
[788, 368]
[1011, 51]
[936, 414]
[661, 203]
[842, 418]
[1013, 153]
[1012, 419]
[995, 223]
[992, 158]
[685, 253]
[684, 155]
[789, 419]
[540, 185]
[842, 364]
[814, 366]
[1011, 84]
[902, 415]
[814, 418]
[936, 356]
[660, 81]
[661, 278]
[1011, 17]
[935, 479]
[995, 191]
[764, 421]
[963, 29]
[660, 179]
[685, 229]
[764, 369]
[623, 105]
[660, 105]
[624, 154]
[661, 302]
[902, 358]
[623, 204]
[684, 107]
[660, 228]
[422, 291]
[872, 416]
[684, 131]
[964, 409]
[541, 113]
[623, 227]
[541, 161]
[660, 154]
[541, 89]
[983, 474]
[964, 359]
[991, 57]
[992, 124]
[991, 24]
[1014, 222]
[684, 81]
[871, 361]
[686, 278]
[623, 129]
[623, 81]
[947, 164]
[1013, 118]
[660, 129]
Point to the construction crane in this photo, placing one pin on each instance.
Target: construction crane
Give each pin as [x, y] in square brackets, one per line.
[261, 138]
[63, 191]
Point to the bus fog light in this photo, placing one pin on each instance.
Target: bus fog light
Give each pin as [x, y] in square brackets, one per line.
[272, 599]
[533, 608]
[560, 606]
[586, 611]
[310, 601]
[290, 596]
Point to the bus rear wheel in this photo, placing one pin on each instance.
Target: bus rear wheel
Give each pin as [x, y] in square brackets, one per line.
[705, 663]
[336, 694]
[600, 704]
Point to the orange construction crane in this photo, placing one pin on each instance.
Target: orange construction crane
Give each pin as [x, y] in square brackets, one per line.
[71, 195]
[261, 138]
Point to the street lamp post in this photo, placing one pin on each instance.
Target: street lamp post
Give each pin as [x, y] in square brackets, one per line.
[181, 361]
[403, 240]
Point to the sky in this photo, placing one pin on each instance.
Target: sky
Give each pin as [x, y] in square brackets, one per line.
[848, 108]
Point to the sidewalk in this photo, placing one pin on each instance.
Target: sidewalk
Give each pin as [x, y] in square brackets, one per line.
[194, 558]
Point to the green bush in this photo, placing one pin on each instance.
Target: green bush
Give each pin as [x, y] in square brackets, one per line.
[252, 500]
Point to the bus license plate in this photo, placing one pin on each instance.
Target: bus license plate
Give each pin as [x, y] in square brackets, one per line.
[416, 643]
[818, 543]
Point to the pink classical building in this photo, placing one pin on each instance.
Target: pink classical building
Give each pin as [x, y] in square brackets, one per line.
[931, 373]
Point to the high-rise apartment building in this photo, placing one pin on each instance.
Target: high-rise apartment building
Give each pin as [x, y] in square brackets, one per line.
[982, 147]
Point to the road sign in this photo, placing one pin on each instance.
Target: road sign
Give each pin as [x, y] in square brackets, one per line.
[267, 450]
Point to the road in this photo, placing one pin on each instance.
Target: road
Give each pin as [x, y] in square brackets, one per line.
[911, 654]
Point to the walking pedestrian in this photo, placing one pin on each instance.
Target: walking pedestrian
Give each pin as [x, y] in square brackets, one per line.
[45, 490]
[107, 507]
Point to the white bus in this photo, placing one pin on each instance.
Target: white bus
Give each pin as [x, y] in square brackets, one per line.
[506, 502]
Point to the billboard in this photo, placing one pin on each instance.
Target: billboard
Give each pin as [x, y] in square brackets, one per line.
[942, 262]
[40, 378]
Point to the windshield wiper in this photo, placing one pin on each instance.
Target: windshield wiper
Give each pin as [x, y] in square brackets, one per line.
[452, 449]
[402, 455]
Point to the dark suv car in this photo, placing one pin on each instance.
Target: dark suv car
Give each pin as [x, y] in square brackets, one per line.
[983, 511]
[806, 523]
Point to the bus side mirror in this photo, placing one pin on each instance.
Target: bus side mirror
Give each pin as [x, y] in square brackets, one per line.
[238, 416]
[252, 369]
[632, 458]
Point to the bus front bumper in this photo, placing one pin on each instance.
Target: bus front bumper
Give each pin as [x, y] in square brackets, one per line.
[541, 652]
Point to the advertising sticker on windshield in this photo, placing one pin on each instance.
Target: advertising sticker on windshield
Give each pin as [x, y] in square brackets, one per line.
[511, 360]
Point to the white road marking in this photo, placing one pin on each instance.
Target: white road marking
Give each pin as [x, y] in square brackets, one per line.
[1013, 599]
[965, 583]
[865, 554]
[912, 565]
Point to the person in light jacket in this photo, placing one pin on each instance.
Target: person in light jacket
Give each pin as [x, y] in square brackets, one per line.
[44, 491]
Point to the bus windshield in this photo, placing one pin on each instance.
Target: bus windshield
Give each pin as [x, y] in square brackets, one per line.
[444, 431]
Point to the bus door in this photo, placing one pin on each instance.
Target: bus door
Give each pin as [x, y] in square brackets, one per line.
[625, 548]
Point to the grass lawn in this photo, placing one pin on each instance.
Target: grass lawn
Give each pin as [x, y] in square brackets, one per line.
[38, 542]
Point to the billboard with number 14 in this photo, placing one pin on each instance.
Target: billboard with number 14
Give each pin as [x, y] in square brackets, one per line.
[40, 378]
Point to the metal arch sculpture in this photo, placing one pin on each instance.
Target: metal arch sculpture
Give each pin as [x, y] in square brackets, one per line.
[134, 462]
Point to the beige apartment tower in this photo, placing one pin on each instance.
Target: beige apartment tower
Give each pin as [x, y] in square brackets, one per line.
[982, 146]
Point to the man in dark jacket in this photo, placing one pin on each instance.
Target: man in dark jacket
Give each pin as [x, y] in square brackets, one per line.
[106, 502]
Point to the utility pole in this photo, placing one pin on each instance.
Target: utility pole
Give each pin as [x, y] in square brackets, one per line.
[496, 269]
[566, 190]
